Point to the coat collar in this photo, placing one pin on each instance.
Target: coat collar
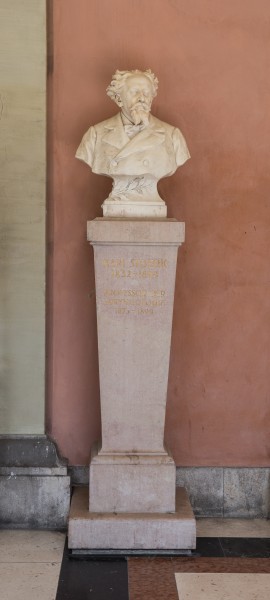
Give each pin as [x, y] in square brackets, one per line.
[115, 135]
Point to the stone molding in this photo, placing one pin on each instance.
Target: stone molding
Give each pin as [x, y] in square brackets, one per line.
[29, 451]
[229, 492]
[34, 483]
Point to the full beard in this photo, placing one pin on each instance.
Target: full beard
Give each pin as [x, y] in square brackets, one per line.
[140, 114]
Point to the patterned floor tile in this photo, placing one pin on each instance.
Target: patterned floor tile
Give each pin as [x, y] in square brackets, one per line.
[223, 586]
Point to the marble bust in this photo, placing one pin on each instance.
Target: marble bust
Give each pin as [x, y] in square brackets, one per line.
[134, 148]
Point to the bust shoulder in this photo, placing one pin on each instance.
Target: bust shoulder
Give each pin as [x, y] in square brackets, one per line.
[110, 123]
[158, 124]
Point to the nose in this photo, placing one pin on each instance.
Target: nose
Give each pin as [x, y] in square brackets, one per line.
[141, 96]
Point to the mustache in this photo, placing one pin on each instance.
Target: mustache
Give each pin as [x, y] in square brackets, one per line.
[141, 105]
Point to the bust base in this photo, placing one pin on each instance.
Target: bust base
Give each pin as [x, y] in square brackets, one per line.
[140, 209]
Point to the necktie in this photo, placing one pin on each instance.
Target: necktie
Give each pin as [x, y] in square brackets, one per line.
[132, 130]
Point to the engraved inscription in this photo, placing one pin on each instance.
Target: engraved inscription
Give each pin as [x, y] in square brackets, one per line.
[135, 268]
[133, 287]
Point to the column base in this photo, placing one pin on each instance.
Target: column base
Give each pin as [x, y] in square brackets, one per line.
[141, 482]
[159, 531]
[36, 478]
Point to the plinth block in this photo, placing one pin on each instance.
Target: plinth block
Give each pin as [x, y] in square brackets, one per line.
[140, 209]
[131, 530]
[132, 483]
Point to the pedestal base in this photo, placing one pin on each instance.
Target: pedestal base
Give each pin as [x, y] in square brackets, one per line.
[131, 530]
[132, 483]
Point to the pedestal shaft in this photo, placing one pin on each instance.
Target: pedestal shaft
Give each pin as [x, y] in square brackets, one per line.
[135, 279]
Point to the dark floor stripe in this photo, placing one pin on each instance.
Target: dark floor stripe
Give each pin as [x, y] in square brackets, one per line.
[246, 547]
[209, 547]
[92, 579]
[233, 547]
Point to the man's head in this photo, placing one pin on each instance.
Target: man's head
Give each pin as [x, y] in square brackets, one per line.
[133, 92]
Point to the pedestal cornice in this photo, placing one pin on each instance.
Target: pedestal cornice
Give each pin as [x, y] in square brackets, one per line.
[168, 232]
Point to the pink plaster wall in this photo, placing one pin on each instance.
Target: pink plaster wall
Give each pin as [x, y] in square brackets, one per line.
[213, 63]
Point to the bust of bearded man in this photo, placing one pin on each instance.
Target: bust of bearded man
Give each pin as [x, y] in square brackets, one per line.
[134, 148]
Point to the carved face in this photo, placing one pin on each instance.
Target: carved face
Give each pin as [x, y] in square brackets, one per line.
[136, 98]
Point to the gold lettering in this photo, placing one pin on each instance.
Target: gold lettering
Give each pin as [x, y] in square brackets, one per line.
[131, 302]
[113, 262]
[145, 263]
[145, 311]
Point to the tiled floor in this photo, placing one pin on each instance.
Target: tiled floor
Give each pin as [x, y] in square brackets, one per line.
[30, 563]
[207, 586]
[232, 561]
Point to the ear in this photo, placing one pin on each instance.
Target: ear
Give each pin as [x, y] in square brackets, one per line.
[118, 100]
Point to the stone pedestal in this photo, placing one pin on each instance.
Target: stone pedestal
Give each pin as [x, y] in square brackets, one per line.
[131, 471]
[131, 531]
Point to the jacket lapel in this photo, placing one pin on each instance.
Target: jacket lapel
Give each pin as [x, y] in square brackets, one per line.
[114, 134]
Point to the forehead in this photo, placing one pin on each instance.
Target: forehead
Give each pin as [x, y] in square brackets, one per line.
[138, 81]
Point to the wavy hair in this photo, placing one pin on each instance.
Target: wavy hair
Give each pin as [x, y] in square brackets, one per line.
[120, 77]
